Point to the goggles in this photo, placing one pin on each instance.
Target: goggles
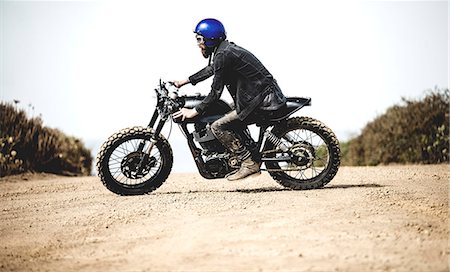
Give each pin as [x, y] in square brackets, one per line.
[200, 39]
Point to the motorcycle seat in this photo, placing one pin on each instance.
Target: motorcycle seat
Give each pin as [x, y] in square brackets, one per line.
[293, 104]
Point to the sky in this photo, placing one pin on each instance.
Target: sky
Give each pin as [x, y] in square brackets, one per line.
[89, 67]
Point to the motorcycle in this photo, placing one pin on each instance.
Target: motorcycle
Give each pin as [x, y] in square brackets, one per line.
[298, 152]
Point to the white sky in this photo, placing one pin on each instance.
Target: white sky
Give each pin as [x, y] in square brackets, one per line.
[89, 67]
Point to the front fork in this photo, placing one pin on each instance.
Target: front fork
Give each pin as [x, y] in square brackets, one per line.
[153, 140]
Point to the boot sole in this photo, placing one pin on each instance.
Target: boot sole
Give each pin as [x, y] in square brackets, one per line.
[249, 176]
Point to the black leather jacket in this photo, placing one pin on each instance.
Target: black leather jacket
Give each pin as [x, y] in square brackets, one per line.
[248, 81]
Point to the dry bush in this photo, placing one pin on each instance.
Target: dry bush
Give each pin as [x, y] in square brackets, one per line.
[27, 145]
[415, 132]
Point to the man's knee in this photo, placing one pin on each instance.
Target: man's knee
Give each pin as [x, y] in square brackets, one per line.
[221, 124]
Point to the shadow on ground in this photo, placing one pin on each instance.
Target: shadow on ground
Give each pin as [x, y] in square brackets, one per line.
[273, 189]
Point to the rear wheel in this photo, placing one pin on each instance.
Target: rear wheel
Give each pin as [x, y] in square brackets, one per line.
[126, 169]
[312, 155]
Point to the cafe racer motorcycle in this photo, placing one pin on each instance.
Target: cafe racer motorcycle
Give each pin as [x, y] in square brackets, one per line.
[298, 152]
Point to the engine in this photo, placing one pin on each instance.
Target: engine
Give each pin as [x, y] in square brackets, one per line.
[204, 136]
[218, 162]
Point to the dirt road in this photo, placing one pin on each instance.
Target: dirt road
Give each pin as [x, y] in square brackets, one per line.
[392, 218]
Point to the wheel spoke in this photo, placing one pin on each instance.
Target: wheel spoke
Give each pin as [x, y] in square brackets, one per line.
[123, 152]
[311, 152]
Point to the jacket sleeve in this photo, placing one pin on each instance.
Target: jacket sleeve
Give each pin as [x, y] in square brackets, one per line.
[217, 85]
[201, 75]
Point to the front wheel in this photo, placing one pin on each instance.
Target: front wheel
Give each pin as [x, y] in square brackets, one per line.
[311, 156]
[127, 168]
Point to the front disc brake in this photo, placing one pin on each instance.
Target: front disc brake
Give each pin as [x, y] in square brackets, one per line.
[136, 165]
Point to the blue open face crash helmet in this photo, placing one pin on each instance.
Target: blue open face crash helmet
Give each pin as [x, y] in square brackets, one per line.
[212, 31]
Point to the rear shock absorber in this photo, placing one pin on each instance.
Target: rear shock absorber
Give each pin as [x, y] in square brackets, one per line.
[275, 141]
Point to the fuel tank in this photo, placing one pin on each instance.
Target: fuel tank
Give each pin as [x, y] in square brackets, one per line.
[211, 114]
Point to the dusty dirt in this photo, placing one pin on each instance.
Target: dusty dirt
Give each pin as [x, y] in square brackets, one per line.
[392, 218]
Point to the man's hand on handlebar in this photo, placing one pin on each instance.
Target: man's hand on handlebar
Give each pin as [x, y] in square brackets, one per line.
[180, 83]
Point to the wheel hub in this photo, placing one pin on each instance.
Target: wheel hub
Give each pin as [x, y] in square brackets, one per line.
[303, 154]
[136, 165]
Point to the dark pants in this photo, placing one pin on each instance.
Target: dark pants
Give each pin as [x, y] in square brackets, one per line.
[225, 130]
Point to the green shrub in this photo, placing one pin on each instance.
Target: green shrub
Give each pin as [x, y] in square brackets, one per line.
[415, 132]
[27, 145]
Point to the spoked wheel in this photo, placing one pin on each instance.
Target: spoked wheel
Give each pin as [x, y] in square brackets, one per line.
[312, 155]
[125, 166]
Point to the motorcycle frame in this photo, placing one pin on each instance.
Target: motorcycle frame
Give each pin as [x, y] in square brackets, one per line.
[196, 152]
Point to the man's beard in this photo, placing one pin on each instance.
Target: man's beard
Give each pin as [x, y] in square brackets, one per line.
[207, 52]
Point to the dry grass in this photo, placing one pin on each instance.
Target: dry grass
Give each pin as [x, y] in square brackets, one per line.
[28, 146]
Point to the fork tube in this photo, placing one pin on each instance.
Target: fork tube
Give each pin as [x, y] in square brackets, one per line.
[150, 147]
[150, 125]
[155, 135]
[159, 127]
[154, 117]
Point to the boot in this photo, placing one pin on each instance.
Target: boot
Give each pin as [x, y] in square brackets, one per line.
[248, 167]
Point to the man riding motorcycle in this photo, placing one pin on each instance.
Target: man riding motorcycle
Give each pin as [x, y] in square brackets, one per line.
[253, 88]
